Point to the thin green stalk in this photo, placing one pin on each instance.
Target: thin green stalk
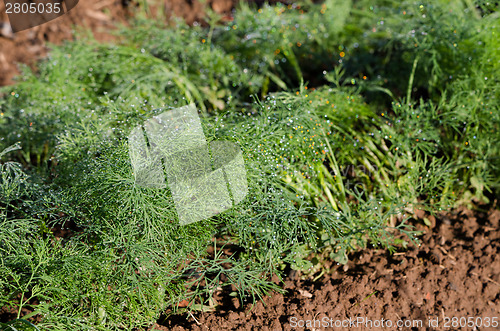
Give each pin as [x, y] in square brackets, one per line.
[410, 82]
[336, 169]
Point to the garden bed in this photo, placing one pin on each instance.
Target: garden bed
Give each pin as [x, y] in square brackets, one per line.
[99, 16]
[455, 272]
[368, 134]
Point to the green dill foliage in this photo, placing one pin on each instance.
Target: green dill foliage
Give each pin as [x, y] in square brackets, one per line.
[349, 114]
[287, 144]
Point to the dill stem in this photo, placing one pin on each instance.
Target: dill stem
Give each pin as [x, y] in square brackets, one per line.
[410, 82]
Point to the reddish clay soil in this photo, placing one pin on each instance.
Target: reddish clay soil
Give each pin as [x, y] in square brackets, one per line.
[454, 273]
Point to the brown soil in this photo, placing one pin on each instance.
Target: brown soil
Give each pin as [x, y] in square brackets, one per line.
[454, 273]
[100, 16]
[30, 45]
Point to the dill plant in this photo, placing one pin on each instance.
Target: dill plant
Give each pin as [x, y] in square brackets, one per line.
[332, 93]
